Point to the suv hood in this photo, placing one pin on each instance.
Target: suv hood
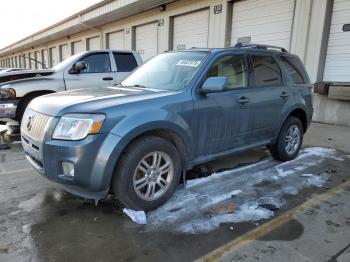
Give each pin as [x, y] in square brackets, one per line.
[17, 75]
[91, 100]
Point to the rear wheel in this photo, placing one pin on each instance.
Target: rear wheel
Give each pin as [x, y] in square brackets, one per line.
[289, 140]
[147, 174]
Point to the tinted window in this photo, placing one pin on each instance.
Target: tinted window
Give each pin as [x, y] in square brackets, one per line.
[125, 62]
[266, 71]
[231, 67]
[295, 69]
[97, 63]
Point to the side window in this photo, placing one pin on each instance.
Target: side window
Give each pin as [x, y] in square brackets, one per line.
[266, 71]
[232, 67]
[125, 62]
[295, 69]
[97, 63]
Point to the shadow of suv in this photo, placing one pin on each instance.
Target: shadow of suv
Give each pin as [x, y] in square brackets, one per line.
[178, 110]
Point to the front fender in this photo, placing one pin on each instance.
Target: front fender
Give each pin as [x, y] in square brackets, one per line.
[132, 126]
[26, 86]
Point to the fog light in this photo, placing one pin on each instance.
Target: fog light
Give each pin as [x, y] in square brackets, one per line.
[68, 169]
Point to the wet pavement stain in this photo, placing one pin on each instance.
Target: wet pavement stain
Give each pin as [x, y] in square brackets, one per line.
[288, 232]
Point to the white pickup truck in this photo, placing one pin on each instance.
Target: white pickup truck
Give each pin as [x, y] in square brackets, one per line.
[91, 69]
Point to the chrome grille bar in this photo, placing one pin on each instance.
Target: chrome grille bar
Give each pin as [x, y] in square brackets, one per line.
[34, 124]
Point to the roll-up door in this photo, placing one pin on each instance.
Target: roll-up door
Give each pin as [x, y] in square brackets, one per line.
[263, 21]
[115, 40]
[93, 43]
[147, 40]
[77, 47]
[38, 59]
[44, 58]
[191, 30]
[53, 56]
[63, 52]
[337, 67]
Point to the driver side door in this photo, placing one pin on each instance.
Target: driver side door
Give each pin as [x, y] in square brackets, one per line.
[220, 117]
[98, 73]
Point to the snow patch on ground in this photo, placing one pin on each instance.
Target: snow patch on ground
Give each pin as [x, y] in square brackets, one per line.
[251, 193]
[138, 217]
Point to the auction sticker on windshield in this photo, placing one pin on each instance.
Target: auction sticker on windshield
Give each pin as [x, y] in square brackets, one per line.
[192, 63]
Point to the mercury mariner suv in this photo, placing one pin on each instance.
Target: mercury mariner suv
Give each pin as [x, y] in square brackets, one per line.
[178, 110]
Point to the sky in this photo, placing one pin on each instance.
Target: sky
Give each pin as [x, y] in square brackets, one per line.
[21, 18]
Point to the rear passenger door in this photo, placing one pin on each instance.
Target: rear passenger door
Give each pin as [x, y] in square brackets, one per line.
[268, 95]
[125, 63]
[98, 73]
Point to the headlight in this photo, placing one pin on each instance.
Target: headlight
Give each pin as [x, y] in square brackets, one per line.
[7, 93]
[78, 126]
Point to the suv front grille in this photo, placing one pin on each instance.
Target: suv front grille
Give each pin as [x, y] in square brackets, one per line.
[34, 124]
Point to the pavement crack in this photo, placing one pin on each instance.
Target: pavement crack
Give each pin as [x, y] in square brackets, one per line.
[334, 258]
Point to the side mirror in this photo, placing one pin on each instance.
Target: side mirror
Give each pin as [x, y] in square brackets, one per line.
[214, 85]
[78, 67]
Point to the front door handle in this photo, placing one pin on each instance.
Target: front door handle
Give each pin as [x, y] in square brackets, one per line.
[243, 100]
[284, 95]
[108, 78]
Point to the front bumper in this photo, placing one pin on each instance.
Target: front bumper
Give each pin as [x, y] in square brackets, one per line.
[93, 160]
[8, 108]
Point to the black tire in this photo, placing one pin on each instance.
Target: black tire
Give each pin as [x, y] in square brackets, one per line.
[278, 150]
[122, 182]
[22, 107]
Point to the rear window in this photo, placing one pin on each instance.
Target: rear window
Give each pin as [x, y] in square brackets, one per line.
[295, 69]
[125, 62]
[266, 71]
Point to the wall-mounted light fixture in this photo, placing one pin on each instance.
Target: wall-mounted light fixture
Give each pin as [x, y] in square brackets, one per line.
[162, 8]
[346, 27]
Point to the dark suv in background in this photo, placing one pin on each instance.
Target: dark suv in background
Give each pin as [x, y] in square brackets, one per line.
[178, 110]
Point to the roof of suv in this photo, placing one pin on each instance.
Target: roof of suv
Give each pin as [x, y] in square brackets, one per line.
[239, 46]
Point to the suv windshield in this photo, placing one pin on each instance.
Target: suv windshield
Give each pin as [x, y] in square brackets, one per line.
[168, 71]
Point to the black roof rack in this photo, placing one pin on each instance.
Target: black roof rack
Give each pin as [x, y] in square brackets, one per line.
[241, 45]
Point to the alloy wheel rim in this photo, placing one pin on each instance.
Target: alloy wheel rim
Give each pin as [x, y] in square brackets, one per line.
[292, 139]
[153, 175]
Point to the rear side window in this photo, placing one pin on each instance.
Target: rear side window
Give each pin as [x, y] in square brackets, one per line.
[266, 71]
[125, 62]
[295, 69]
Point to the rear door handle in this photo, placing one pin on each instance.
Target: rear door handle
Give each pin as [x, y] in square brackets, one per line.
[284, 95]
[108, 78]
[243, 100]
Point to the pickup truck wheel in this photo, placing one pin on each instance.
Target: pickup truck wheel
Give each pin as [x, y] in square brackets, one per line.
[147, 174]
[289, 140]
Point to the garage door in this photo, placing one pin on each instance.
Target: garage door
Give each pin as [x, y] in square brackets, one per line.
[44, 57]
[93, 43]
[115, 40]
[147, 40]
[63, 52]
[337, 66]
[263, 21]
[38, 59]
[77, 47]
[191, 30]
[53, 56]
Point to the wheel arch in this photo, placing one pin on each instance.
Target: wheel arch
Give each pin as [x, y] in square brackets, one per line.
[29, 96]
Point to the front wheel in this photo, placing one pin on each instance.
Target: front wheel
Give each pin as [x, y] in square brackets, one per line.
[147, 174]
[289, 140]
